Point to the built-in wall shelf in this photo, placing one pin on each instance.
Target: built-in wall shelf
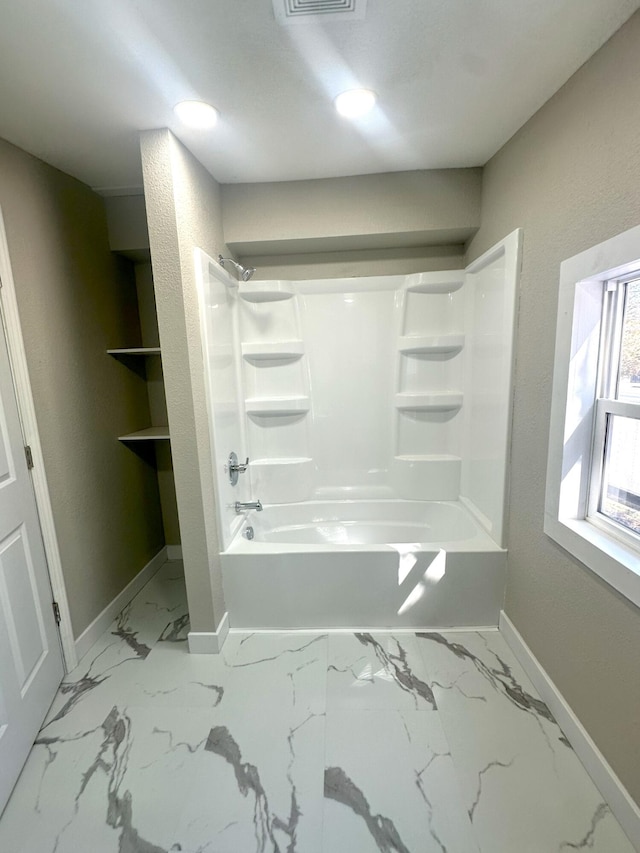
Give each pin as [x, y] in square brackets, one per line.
[426, 477]
[273, 351]
[428, 402]
[286, 461]
[440, 283]
[428, 457]
[134, 351]
[155, 433]
[277, 405]
[282, 479]
[266, 291]
[425, 345]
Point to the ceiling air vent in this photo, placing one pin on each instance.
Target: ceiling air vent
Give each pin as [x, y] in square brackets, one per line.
[308, 11]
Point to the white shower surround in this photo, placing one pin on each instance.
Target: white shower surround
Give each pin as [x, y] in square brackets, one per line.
[389, 391]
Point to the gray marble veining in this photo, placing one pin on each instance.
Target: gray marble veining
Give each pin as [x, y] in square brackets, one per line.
[300, 743]
[500, 676]
[522, 785]
[176, 631]
[382, 670]
[396, 663]
[338, 787]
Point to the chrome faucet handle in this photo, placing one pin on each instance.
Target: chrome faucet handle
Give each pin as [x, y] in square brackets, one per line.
[240, 467]
[235, 468]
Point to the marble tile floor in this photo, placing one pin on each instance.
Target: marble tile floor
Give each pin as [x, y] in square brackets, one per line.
[300, 743]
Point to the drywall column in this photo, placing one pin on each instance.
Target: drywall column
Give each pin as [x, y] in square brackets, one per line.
[184, 212]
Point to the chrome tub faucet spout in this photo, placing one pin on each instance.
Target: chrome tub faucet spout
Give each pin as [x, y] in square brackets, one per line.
[241, 507]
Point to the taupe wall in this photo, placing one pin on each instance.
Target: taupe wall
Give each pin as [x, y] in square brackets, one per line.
[398, 210]
[570, 178]
[76, 300]
[356, 263]
[401, 222]
[184, 211]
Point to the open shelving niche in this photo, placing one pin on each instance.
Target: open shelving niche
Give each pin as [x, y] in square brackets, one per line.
[152, 433]
[155, 433]
[137, 349]
[134, 351]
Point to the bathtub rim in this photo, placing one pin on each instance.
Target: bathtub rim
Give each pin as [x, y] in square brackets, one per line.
[480, 542]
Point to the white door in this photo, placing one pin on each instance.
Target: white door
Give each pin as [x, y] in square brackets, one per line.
[30, 655]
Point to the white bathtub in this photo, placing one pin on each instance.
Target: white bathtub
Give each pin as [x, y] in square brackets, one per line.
[363, 564]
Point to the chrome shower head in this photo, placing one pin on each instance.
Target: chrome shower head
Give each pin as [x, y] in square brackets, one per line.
[244, 273]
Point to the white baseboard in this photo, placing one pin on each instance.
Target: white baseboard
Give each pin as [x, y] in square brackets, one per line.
[209, 642]
[174, 552]
[624, 808]
[104, 619]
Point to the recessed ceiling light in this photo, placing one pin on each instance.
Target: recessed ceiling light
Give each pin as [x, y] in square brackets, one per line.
[196, 114]
[355, 102]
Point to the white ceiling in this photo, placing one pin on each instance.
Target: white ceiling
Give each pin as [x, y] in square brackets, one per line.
[455, 79]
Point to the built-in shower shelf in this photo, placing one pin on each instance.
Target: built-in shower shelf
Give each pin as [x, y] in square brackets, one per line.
[273, 351]
[156, 433]
[430, 283]
[267, 291]
[426, 345]
[428, 457]
[277, 406]
[291, 461]
[428, 402]
[426, 476]
[284, 479]
[134, 351]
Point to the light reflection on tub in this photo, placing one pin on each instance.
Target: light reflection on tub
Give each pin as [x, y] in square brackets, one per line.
[433, 575]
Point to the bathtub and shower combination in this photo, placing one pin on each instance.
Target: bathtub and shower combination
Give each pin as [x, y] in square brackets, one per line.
[375, 413]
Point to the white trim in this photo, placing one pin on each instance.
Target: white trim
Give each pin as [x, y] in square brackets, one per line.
[26, 408]
[474, 629]
[209, 642]
[575, 392]
[100, 624]
[174, 552]
[625, 810]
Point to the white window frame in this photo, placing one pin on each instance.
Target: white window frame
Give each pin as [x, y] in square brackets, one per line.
[607, 404]
[578, 411]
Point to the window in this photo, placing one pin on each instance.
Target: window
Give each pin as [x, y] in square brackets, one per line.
[593, 475]
[614, 488]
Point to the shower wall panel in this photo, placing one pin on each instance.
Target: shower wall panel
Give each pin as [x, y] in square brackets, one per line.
[218, 311]
[349, 338]
[364, 388]
[353, 386]
[491, 285]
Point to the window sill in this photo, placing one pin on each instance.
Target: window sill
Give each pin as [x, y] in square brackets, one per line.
[605, 555]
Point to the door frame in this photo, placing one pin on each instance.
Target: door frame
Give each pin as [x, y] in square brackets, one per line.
[10, 318]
